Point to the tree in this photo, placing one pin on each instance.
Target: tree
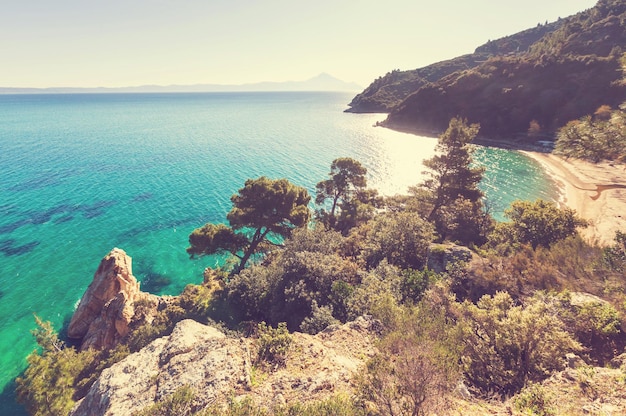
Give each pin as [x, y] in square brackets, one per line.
[540, 223]
[400, 238]
[346, 190]
[262, 208]
[453, 178]
[48, 385]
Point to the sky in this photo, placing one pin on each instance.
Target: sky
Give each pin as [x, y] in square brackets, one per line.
[118, 43]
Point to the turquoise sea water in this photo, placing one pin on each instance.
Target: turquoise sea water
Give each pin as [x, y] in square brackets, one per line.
[81, 174]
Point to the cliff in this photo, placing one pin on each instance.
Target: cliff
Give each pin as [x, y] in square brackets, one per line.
[550, 74]
[106, 311]
[217, 367]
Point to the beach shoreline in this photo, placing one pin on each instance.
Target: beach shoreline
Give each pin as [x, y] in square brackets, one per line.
[596, 191]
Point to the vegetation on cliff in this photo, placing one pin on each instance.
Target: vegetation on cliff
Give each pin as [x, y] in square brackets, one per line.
[497, 323]
[556, 73]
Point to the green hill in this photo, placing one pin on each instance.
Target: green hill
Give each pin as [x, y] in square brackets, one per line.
[550, 74]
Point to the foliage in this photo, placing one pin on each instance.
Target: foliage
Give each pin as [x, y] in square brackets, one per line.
[179, 403]
[273, 345]
[533, 400]
[198, 300]
[539, 223]
[508, 345]
[320, 318]
[457, 210]
[309, 269]
[47, 387]
[415, 283]
[597, 138]
[378, 295]
[350, 201]
[400, 238]
[336, 405]
[416, 367]
[162, 324]
[614, 257]
[262, 208]
[594, 323]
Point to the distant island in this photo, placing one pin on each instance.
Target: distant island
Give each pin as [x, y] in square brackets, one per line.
[321, 82]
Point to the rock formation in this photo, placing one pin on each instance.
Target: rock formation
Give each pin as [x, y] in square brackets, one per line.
[105, 311]
[217, 367]
[441, 256]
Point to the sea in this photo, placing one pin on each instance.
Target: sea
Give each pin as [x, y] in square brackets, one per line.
[81, 174]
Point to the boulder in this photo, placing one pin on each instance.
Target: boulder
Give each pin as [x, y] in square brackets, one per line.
[217, 368]
[441, 256]
[106, 310]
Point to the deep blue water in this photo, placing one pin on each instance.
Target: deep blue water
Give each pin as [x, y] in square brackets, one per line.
[81, 174]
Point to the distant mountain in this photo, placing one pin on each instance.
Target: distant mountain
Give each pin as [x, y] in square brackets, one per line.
[322, 82]
[550, 74]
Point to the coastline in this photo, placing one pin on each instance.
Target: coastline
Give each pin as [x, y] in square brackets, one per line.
[596, 191]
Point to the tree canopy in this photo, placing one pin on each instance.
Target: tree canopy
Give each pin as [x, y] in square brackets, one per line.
[457, 209]
[263, 207]
[349, 200]
[540, 223]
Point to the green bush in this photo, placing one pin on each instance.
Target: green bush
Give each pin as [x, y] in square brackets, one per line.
[533, 400]
[508, 345]
[400, 238]
[320, 318]
[379, 295]
[273, 344]
[163, 324]
[539, 223]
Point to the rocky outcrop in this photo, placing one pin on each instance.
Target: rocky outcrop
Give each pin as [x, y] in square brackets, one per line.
[217, 367]
[106, 310]
[442, 256]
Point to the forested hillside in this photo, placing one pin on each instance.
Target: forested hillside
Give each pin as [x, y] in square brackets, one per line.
[542, 77]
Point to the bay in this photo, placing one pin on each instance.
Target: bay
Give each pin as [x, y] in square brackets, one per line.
[83, 173]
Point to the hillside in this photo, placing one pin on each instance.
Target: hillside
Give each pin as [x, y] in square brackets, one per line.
[550, 74]
[390, 90]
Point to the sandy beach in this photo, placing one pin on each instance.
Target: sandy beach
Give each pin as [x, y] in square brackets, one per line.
[596, 191]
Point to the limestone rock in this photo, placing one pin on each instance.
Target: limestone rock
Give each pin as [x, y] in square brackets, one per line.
[217, 368]
[441, 256]
[106, 309]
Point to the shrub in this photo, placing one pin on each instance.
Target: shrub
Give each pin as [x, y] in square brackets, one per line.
[180, 403]
[379, 295]
[506, 346]
[533, 400]
[320, 318]
[273, 344]
[614, 257]
[162, 324]
[416, 366]
[539, 223]
[400, 238]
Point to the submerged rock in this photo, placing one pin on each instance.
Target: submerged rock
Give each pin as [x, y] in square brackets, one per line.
[106, 310]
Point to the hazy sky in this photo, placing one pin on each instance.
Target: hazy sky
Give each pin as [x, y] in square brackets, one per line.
[91, 43]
